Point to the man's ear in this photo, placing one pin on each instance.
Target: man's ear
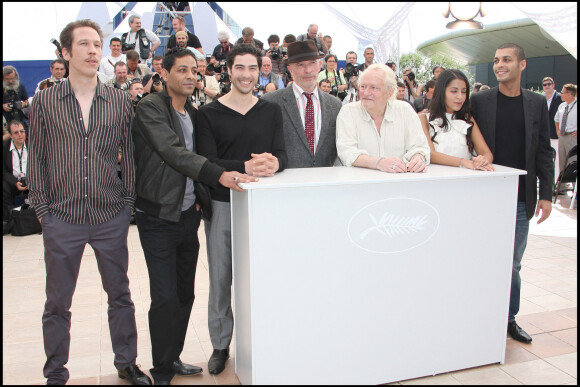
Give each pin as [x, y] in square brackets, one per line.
[523, 65]
[65, 54]
[164, 74]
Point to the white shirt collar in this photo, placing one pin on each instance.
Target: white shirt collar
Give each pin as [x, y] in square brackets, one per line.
[12, 147]
[298, 91]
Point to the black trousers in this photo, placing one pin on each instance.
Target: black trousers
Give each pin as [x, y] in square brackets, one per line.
[171, 250]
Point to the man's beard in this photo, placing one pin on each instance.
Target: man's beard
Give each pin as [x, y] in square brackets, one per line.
[184, 45]
[14, 86]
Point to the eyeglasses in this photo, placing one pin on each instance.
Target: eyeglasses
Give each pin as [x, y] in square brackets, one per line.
[546, 84]
[226, 42]
[330, 61]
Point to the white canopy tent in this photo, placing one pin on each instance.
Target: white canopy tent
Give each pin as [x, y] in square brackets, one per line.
[391, 28]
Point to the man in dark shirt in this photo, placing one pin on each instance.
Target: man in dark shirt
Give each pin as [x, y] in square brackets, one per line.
[79, 198]
[14, 96]
[169, 200]
[514, 123]
[248, 37]
[192, 40]
[241, 133]
[220, 52]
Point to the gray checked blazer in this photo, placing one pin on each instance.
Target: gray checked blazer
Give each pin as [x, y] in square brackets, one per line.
[299, 155]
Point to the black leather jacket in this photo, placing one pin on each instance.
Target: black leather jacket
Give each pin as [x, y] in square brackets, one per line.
[162, 161]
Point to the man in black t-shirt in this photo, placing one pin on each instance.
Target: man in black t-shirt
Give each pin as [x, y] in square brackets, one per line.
[514, 123]
[192, 40]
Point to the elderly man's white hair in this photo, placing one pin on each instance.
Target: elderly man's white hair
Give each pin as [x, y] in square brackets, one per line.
[385, 73]
[223, 35]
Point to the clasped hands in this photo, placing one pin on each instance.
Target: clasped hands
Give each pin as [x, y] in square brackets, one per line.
[394, 164]
[263, 164]
[478, 162]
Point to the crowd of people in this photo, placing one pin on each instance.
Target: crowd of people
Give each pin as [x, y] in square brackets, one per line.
[193, 126]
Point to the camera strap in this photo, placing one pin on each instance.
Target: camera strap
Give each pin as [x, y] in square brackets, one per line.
[20, 154]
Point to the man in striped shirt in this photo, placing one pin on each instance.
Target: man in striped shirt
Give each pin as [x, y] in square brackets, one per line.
[76, 130]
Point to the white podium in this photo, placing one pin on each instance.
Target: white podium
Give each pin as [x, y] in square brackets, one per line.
[355, 276]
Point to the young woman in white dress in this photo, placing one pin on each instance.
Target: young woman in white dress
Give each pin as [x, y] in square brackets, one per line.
[452, 134]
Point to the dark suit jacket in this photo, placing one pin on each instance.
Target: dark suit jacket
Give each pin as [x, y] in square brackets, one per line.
[7, 164]
[538, 151]
[556, 101]
[297, 150]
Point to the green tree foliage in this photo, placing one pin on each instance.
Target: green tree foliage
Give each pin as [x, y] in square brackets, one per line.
[422, 66]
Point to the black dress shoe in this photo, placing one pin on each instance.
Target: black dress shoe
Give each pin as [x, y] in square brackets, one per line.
[135, 376]
[217, 361]
[518, 333]
[181, 368]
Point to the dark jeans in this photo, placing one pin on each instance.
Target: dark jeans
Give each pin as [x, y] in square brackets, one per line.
[171, 250]
[520, 242]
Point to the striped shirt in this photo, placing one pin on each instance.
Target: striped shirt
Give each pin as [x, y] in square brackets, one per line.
[72, 172]
[301, 100]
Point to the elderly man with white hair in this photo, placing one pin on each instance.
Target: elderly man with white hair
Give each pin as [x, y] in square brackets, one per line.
[379, 132]
[220, 52]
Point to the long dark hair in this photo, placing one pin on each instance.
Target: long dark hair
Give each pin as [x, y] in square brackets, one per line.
[437, 107]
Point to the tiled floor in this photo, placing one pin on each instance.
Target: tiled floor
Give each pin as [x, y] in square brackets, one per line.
[548, 312]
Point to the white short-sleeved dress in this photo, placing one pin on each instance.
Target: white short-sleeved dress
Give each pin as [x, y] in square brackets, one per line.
[453, 141]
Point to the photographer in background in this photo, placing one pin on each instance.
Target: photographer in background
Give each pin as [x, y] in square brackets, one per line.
[277, 56]
[248, 38]
[119, 81]
[313, 34]
[220, 52]
[192, 40]
[324, 85]
[267, 76]
[421, 104]
[206, 87]
[153, 83]
[369, 55]
[15, 155]
[14, 96]
[351, 76]
[136, 92]
[338, 84]
[107, 65]
[139, 39]
[413, 89]
[57, 71]
[136, 70]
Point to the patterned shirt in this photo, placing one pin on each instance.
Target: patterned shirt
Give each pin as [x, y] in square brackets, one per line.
[72, 171]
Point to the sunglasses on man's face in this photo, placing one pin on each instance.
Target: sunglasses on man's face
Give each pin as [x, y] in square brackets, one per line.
[546, 84]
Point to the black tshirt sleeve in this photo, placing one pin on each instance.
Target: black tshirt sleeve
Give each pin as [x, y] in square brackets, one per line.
[194, 41]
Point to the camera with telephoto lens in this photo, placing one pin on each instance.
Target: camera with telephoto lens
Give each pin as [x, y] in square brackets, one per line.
[137, 99]
[127, 46]
[224, 77]
[225, 88]
[156, 78]
[260, 87]
[340, 94]
[218, 69]
[15, 105]
[350, 70]
[57, 44]
[199, 77]
[276, 54]
[411, 76]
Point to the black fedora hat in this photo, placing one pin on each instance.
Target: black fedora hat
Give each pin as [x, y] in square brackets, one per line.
[306, 50]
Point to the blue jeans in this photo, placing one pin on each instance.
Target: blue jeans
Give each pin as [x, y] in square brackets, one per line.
[521, 240]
